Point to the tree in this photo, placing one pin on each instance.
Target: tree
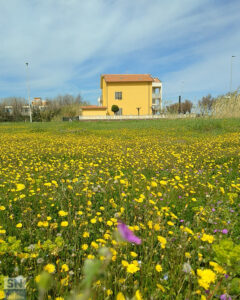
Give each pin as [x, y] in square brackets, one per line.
[187, 106]
[115, 109]
[173, 108]
[206, 104]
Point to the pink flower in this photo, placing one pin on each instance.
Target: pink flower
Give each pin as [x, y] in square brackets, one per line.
[127, 234]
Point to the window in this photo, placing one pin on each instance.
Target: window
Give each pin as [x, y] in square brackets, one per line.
[118, 95]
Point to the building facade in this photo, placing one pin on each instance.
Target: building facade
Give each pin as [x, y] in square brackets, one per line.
[134, 94]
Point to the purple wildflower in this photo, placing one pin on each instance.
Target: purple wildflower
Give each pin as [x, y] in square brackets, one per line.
[127, 234]
[225, 231]
[225, 297]
[213, 209]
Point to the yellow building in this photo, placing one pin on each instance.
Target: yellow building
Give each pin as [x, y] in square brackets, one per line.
[134, 94]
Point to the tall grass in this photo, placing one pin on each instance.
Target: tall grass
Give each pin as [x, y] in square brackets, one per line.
[227, 106]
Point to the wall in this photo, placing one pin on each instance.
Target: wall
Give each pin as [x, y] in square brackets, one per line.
[134, 94]
[94, 112]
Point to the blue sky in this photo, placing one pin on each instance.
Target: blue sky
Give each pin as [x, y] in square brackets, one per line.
[70, 43]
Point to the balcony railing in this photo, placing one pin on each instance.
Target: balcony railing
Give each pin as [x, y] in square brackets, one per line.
[156, 95]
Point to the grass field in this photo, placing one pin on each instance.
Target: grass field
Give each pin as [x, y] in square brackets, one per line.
[175, 183]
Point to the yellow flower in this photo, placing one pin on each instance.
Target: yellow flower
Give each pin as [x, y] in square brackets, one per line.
[85, 234]
[2, 207]
[207, 238]
[2, 294]
[170, 223]
[138, 295]
[19, 225]
[222, 190]
[207, 277]
[153, 184]
[93, 221]
[124, 263]
[37, 278]
[20, 187]
[187, 255]
[188, 230]
[163, 182]
[109, 292]
[94, 245]
[109, 223]
[65, 268]
[64, 281]
[133, 254]
[120, 296]
[160, 287]
[217, 268]
[59, 298]
[157, 227]
[158, 268]
[50, 268]
[162, 240]
[45, 224]
[84, 246]
[150, 224]
[62, 213]
[64, 223]
[132, 268]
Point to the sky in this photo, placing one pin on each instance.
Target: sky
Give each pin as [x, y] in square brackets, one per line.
[68, 44]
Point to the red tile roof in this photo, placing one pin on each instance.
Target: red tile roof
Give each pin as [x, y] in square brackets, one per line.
[127, 77]
[93, 107]
[156, 79]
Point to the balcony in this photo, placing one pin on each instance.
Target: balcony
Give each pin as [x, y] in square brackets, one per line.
[156, 95]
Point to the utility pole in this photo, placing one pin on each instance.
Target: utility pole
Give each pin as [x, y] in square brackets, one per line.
[179, 105]
[28, 88]
[231, 74]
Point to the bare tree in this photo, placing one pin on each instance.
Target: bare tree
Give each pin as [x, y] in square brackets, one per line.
[206, 104]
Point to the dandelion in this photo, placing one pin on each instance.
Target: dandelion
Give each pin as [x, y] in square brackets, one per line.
[20, 187]
[133, 254]
[64, 268]
[84, 247]
[158, 268]
[50, 268]
[62, 213]
[162, 240]
[132, 268]
[207, 238]
[138, 295]
[64, 223]
[207, 277]
[19, 225]
[120, 296]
